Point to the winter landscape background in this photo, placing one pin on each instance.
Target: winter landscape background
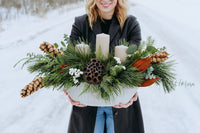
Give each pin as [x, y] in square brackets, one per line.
[172, 23]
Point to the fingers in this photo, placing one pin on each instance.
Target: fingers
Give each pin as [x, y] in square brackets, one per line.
[134, 98]
[76, 103]
[81, 105]
[116, 106]
[123, 105]
[72, 101]
[126, 105]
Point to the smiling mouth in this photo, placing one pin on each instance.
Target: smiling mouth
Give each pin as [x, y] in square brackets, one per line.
[105, 5]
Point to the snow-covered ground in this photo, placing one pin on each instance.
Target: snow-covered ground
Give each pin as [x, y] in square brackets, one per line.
[172, 23]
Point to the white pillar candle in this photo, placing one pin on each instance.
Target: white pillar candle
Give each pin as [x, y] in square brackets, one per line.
[120, 52]
[103, 42]
[84, 48]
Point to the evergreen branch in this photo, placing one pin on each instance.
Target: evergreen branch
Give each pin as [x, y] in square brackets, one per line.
[86, 88]
[30, 58]
[131, 78]
[165, 73]
[123, 42]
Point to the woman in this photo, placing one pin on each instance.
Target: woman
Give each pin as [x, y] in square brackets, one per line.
[110, 17]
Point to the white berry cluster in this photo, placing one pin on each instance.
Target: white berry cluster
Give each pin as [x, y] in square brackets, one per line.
[120, 66]
[75, 73]
[118, 60]
[149, 74]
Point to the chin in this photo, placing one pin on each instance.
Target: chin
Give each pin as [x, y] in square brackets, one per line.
[106, 10]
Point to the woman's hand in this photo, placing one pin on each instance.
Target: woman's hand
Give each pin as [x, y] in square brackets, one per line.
[134, 98]
[76, 103]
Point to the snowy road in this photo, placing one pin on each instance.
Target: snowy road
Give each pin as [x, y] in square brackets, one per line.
[176, 111]
[48, 111]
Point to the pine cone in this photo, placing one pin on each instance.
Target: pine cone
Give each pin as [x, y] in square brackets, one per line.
[49, 48]
[159, 57]
[32, 87]
[93, 72]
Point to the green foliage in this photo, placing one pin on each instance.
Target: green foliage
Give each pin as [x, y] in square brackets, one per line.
[66, 39]
[145, 49]
[131, 49]
[149, 50]
[131, 77]
[166, 75]
[63, 44]
[123, 42]
[76, 58]
[56, 45]
[86, 88]
[115, 75]
[115, 70]
[30, 58]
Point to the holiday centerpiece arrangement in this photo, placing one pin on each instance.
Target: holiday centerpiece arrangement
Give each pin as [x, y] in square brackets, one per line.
[100, 77]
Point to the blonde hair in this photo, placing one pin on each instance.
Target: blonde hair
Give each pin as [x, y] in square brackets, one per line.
[120, 11]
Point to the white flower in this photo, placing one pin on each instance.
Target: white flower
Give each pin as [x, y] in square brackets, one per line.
[75, 81]
[120, 66]
[75, 73]
[124, 67]
[118, 60]
[71, 71]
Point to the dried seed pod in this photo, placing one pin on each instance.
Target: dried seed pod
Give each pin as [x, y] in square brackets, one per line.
[93, 71]
[159, 57]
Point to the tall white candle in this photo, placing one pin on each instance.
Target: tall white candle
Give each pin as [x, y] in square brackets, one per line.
[84, 48]
[120, 52]
[103, 42]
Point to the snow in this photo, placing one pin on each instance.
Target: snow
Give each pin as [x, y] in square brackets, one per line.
[172, 23]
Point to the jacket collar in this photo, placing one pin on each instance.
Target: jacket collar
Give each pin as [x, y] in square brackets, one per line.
[113, 30]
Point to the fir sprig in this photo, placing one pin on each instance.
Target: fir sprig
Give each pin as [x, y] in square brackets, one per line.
[166, 74]
[131, 77]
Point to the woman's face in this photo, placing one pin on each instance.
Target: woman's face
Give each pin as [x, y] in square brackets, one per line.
[106, 6]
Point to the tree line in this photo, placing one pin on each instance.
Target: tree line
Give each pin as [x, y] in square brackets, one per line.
[11, 8]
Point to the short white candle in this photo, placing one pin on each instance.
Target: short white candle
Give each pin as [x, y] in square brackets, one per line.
[103, 42]
[84, 48]
[120, 52]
